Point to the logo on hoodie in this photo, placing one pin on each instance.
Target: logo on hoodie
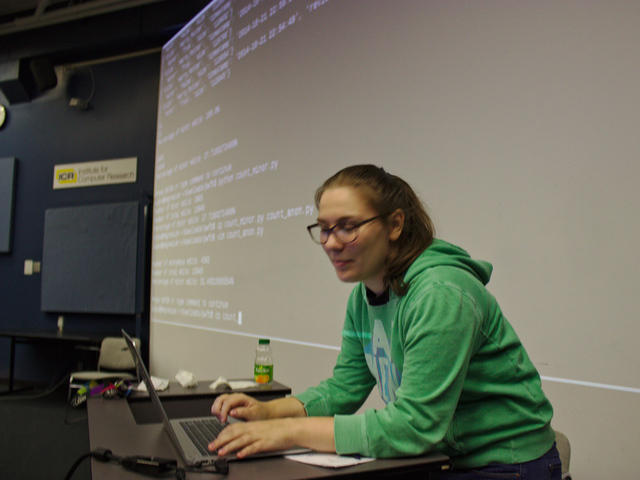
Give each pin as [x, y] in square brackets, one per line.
[378, 356]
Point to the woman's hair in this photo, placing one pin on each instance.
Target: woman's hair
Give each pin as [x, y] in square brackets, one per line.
[387, 193]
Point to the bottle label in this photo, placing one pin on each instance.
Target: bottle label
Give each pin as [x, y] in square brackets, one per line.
[263, 373]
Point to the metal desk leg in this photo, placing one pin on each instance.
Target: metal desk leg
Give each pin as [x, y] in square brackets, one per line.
[12, 362]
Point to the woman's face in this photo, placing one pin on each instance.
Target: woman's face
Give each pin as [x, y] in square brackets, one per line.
[364, 258]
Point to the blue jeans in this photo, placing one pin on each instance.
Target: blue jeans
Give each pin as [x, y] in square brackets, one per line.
[547, 467]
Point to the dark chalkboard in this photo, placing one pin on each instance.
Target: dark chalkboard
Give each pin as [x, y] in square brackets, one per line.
[89, 259]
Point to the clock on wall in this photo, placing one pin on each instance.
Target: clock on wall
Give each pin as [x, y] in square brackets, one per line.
[3, 115]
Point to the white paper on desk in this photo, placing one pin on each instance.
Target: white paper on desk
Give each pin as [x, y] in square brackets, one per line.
[330, 460]
[159, 384]
[240, 384]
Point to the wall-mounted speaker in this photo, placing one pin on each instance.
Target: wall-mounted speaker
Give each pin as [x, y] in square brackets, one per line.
[24, 79]
[44, 76]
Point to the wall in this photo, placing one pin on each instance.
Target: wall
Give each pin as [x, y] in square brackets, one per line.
[45, 132]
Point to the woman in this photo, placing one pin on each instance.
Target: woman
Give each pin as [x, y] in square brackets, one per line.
[422, 326]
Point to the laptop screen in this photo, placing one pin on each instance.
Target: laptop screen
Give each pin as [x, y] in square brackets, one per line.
[146, 378]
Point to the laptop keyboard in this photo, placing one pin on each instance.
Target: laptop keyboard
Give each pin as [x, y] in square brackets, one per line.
[202, 432]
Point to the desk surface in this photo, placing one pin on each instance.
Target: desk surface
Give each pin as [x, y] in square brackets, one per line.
[112, 425]
[52, 335]
[43, 336]
[176, 390]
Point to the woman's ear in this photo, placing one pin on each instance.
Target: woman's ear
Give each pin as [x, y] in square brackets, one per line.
[396, 224]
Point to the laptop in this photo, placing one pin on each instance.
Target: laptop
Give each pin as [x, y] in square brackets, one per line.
[191, 436]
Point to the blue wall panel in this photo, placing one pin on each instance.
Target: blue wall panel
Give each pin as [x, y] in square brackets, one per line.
[7, 175]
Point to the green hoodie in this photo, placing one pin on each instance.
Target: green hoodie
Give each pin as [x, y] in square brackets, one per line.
[450, 368]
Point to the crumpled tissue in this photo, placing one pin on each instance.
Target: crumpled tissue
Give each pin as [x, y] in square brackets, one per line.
[159, 384]
[220, 383]
[186, 379]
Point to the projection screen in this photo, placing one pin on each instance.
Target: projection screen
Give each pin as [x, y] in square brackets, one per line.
[491, 110]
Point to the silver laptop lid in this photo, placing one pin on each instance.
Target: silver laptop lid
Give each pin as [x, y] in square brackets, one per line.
[155, 399]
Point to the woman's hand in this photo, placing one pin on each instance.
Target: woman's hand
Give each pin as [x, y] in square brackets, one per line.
[249, 438]
[274, 425]
[239, 405]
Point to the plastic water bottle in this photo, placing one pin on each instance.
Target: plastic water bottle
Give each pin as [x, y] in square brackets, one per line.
[263, 367]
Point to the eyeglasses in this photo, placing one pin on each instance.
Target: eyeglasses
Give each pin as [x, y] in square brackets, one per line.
[345, 232]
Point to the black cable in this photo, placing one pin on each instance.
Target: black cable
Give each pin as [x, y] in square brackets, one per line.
[75, 465]
[150, 466]
[99, 454]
